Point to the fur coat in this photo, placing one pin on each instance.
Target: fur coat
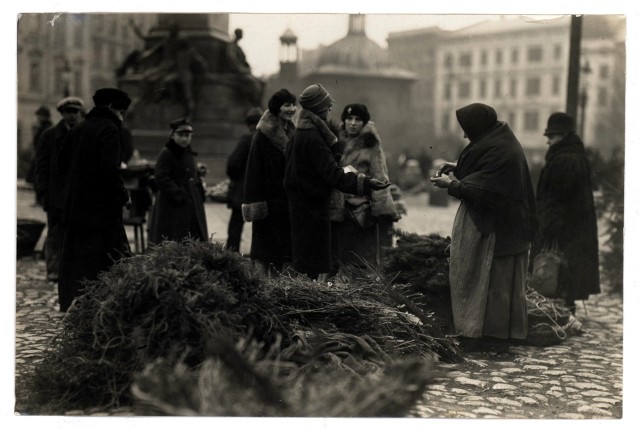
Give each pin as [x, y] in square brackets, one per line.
[265, 200]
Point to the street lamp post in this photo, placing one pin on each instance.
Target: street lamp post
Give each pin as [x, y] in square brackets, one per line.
[584, 97]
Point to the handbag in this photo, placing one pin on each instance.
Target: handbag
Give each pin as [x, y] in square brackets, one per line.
[360, 214]
[546, 270]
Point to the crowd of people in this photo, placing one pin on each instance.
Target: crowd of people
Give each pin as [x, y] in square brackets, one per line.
[317, 194]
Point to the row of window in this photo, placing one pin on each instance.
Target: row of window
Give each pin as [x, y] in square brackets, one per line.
[534, 54]
[501, 88]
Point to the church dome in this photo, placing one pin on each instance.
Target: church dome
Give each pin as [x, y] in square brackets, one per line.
[355, 51]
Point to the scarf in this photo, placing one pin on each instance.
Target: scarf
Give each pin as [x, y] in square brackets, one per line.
[309, 120]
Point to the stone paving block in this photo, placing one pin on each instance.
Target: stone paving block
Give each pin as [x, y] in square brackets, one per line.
[471, 382]
[590, 386]
[594, 410]
[489, 411]
[572, 416]
[503, 386]
[503, 401]
[527, 400]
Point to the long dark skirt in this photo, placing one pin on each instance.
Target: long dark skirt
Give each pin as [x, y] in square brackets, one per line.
[85, 253]
[310, 235]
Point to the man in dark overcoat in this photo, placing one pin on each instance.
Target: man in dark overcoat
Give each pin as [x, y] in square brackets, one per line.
[49, 178]
[566, 210]
[93, 233]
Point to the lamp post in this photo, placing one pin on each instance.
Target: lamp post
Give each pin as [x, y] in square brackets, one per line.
[584, 97]
[66, 79]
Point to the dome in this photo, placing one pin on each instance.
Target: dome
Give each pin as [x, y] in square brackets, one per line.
[355, 51]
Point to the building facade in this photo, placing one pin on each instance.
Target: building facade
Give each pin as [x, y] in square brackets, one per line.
[521, 68]
[70, 54]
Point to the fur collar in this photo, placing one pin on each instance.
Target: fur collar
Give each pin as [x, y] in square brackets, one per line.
[270, 126]
[367, 139]
[309, 120]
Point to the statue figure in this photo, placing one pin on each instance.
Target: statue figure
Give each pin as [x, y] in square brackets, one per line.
[251, 86]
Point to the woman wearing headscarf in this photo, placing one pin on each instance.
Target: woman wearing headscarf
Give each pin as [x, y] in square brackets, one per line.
[492, 231]
[178, 211]
[265, 200]
[311, 173]
[362, 219]
[567, 210]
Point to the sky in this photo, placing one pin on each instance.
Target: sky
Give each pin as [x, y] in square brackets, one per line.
[261, 32]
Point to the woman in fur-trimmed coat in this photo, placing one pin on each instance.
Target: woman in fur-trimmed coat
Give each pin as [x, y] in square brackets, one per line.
[358, 236]
[265, 201]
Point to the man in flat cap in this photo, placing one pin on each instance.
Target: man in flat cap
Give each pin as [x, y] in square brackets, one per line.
[93, 232]
[49, 178]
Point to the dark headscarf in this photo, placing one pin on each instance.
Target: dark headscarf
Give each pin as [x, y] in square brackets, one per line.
[476, 119]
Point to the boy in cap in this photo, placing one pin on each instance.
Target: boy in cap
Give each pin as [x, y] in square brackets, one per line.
[179, 207]
[49, 178]
[93, 232]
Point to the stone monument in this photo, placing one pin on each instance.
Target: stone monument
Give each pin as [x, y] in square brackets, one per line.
[190, 67]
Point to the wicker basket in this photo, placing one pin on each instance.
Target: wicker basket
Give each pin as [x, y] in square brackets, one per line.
[27, 235]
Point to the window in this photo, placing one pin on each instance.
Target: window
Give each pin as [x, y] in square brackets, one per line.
[497, 89]
[513, 88]
[35, 80]
[534, 54]
[498, 57]
[515, 55]
[447, 91]
[533, 86]
[557, 52]
[483, 58]
[531, 120]
[603, 97]
[555, 85]
[464, 89]
[604, 71]
[512, 120]
[445, 122]
[483, 88]
[77, 35]
[448, 61]
[465, 60]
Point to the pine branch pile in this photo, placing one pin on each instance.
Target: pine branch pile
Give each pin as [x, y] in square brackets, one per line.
[421, 263]
[189, 309]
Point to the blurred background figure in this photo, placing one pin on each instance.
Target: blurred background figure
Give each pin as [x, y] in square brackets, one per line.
[43, 121]
[49, 178]
[266, 204]
[236, 166]
[178, 211]
[567, 211]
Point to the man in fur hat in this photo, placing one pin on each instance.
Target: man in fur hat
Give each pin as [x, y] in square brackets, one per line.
[93, 232]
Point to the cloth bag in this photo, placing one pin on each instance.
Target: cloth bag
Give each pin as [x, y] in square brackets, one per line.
[546, 270]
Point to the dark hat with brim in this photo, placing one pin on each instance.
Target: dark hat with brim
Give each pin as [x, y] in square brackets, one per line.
[181, 124]
[560, 123]
[113, 97]
[44, 111]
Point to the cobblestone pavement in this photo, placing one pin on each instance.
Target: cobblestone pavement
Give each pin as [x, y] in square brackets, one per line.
[579, 379]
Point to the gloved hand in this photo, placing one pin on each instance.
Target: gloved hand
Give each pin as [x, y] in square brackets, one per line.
[376, 185]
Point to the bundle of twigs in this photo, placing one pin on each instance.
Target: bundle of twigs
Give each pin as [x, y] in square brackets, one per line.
[422, 263]
[192, 302]
[360, 301]
[274, 386]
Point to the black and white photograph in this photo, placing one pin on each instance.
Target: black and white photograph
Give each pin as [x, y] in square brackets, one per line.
[333, 213]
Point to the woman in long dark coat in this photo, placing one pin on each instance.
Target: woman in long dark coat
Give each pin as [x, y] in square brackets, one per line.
[178, 211]
[567, 211]
[265, 201]
[311, 173]
[492, 231]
